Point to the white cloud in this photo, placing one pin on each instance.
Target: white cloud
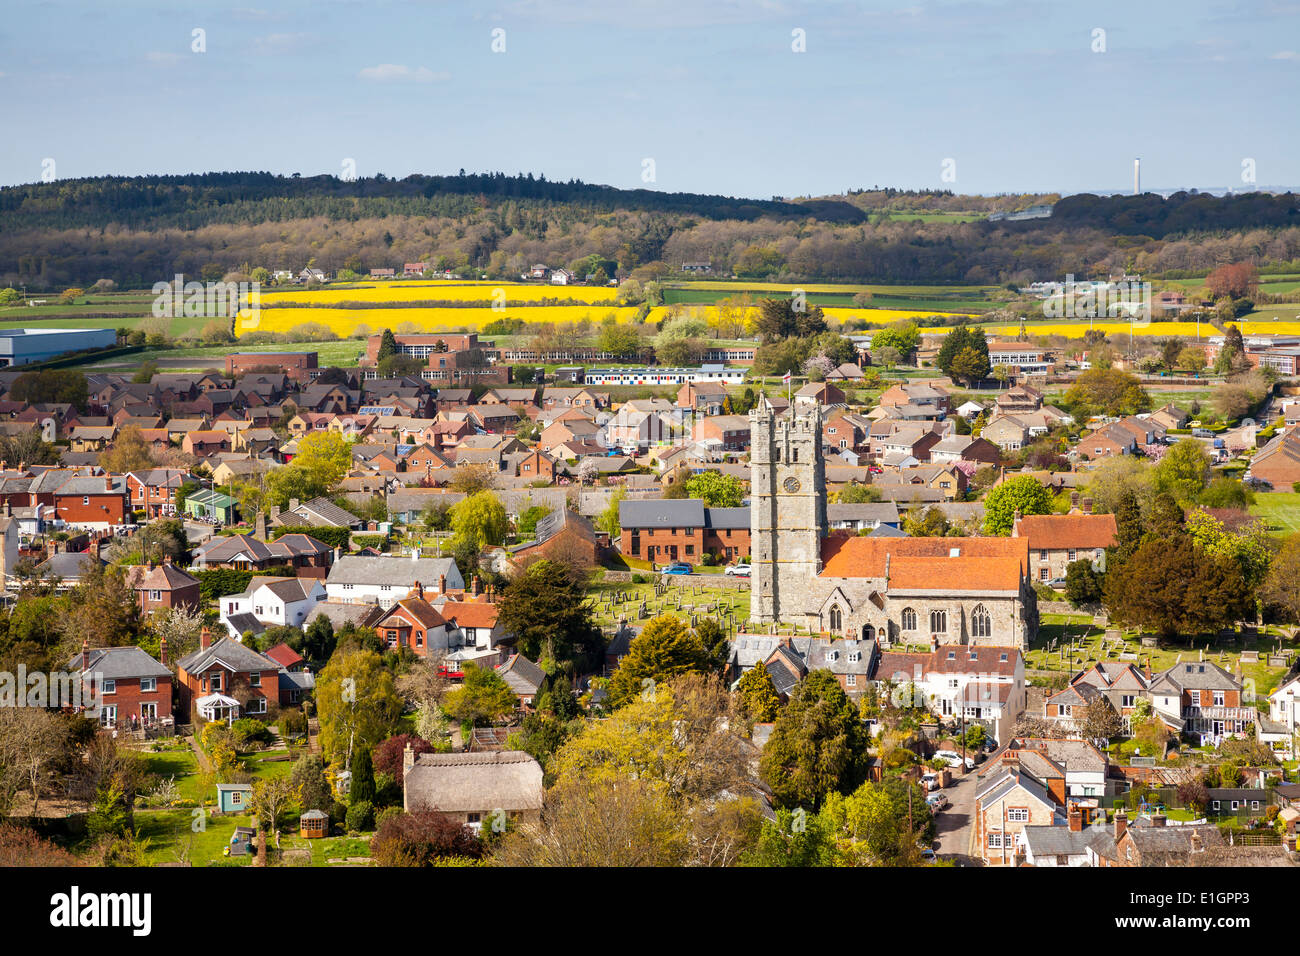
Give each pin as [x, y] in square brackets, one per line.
[396, 73]
[163, 59]
[1285, 55]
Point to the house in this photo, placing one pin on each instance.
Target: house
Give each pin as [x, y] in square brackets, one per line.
[1278, 462]
[723, 432]
[246, 553]
[819, 393]
[1072, 845]
[933, 400]
[562, 534]
[1284, 703]
[415, 624]
[476, 789]
[473, 621]
[707, 398]
[1205, 697]
[154, 491]
[982, 684]
[1120, 683]
[862, 516]
[317, 513]
[1109, 440]
[1006, 802]
[210, 503]
[98, 502]
[227, 680]
[1006, 431]
[205, 443]
[683, 529]
[1056, 541]
[270, 602]
[1186, 846]
[957, 448]
[382, 580]
[523, 677]
[134, 691]
[163, 586]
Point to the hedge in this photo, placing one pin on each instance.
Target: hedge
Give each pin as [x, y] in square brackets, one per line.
[376, 541]
[216, 583]
[334, 537]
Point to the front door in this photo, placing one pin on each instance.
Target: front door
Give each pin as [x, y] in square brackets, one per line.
[1218, 728]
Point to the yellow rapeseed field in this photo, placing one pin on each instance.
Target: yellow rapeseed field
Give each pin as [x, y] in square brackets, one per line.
[509, 293]
[345, 322]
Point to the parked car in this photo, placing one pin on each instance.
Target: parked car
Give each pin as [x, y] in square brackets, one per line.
[677, 568]
[930, 781]
[937, 801]
[953, 759]
[929, 856]
[738, 570]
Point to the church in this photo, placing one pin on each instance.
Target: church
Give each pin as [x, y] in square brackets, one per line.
[928, 591]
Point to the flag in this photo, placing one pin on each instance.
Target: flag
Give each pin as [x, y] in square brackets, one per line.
[787, 378]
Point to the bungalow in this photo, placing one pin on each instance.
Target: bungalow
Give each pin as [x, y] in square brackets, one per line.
[523, 677]
[487, 788]
[369, 580]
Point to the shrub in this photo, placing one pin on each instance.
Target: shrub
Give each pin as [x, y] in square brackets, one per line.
[293, 723]
[334, 537]
[376, 541]
[361, 815]
[422, 839]
[247, 730]
[338, 812]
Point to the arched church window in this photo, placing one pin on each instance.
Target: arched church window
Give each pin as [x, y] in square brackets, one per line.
[981, 624]
[909, 619]
[837, 618]
[938, 622]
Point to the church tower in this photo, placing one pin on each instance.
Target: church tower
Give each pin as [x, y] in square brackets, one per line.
[787, 509]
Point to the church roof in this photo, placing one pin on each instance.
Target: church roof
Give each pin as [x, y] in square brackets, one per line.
[955, 564]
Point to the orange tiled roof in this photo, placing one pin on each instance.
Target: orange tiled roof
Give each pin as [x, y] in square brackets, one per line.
[470, 613]
[1045, 532]
[963, 564]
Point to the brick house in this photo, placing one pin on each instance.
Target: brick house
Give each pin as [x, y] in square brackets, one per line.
[667, 530]
[299, 366]
[154, 491]
[1055, 541]
[135, 691]
[163, 587]
[97, 502]
[705, 397]
[1108, 441]
[1205, 697]
[537, 466]
[413, 623]
[227, 679]
[729, 432]
[562, 533]
[1121, 684]
[1278, 462]
[1005, 803]
[206, 443]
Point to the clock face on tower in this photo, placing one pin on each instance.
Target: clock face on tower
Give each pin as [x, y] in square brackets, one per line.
[791, 484]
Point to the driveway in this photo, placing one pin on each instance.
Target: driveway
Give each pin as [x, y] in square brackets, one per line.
[953, 823]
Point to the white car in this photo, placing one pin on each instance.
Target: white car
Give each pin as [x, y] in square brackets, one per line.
[738, 570]
[930, 781]
[953, 759]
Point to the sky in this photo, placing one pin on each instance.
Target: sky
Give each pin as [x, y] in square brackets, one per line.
[757, 99]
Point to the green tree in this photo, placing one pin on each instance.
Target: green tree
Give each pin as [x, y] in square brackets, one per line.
[608, 521]
[1082, 583]
[1250, 546]
[758, 697]
[309, 781]
[1170, 587]
[882, 822]
[664, 649]
[356, 701]
[483, 698]
[796, 838]
[1023, 494]
[1106, 391]
[363, 778]
[546, 608]
[1184, 470]
[480, 520]
[716, 490]
[818, 744]
[387, 345]
[969, 366]
[322, 460]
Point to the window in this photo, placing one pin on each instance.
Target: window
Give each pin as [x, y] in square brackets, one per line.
[1074, 555]
[148, 685]
[981, 625]
[1042, 555]
[851, 680]
[1018, 814]
[236, 797]
[473, 817]
[995, 841]
[155, 595]
[255, 679]
[1254, 804]
[1042, 574]
[1216, 805]
[909, 619]
[216, 681]
[108, 716]
[837, 618]
[938, 622]
[1218, 698]
[1128, 700]
[108, 686]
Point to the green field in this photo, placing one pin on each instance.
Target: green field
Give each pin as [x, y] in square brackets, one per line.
[1280, 510]
[343, 353]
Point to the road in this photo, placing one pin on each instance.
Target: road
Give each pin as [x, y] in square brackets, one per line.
[953, 823]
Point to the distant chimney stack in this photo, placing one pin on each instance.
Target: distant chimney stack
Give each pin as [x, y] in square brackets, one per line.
[1076, 818]
[1121, 824]
[474, 585]
[108, 482]
[1087, 506]
[1074, 500]
[1157, 819]
[205, 638]
[408, 758]
[162, 650]
[442, 584]
[85, 653]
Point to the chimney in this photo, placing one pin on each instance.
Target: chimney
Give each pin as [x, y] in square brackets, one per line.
[419, 590]
[1074, 501]
[1121, 824]
[9, 509]
[162, 650]
[259, 526]
[338, 553]
[149, 564]
[108, 482]
[474, 585]
[85, 653]
[442, 584]
[167, 559]
[1076, 818]
[1157, 819]
[408, 758]
[293, 504]
[1146, 668]
[1197, 845]
[22, 466]
[1087, 506]
[205, 639]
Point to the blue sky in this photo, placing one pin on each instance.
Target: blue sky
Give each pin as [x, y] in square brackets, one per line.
[710, 90]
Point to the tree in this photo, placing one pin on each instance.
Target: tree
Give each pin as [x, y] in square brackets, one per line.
[423, 839]
[793, 841]
[1082, 583]
[310, 783]
[817, 745]
[322, 460]
[1169, 587]
[786, 318]
[1106, 391]
[389, 755]
[362, 787]
[1238, 280]
[396, 366]
[470, 480]
[1281, 587]
[758, 697]
[716, 489]
[387, 345]
[356, 702]
[480, 520]
[546, 608]
[1250, 546]
[1183, 471]
[882, 822]
[969, 366]
[608, 520]
[482, 699]
[1100, 721]
[665, 649]
[951, 358]
[271, 796]
[903, 336]
[1022, 494]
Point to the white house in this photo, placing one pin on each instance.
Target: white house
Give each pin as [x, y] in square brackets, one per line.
[270, 602]
[981, 683]
[354, 579]
[1284, 703]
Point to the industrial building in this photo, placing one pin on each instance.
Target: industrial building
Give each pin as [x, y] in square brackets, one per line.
[25, 346]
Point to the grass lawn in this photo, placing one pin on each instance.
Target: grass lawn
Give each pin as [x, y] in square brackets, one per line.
[337, 848]
[342, 353]
[170, 834]
[699, 598]
[184, 766]
[261, 765]
[1279, 510]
